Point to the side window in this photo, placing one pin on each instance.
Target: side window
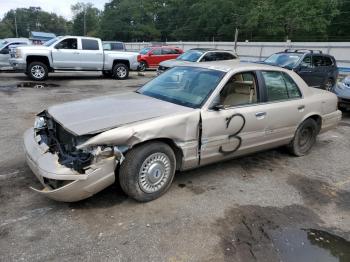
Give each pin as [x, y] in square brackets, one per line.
[157, 51]
[69, 43]
[89, 44]
[292, 88]
[117, 46]
[327, 61]
[224, 56]
[240, 90]
[5, 50]
[167, 51]
[306, 61]
[209, 57]
[107, 46]
[317, 60]
[275, 86]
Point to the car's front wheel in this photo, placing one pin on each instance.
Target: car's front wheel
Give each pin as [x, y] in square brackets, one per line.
[37, 71]
[304, 138]
[147, 171]
[120, 71]
[329, 85]
[143, 66]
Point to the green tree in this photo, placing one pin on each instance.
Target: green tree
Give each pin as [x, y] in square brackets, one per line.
[32, 19]
[86, 19]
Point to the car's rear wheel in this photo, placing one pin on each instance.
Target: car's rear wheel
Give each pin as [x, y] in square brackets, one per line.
[37, 71]
[329, 84]
[143, 66]
[147, 171]
[304, 138]
[120, 71]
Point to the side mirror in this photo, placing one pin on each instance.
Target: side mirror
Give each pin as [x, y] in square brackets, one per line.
[150, 54]
[218, 107]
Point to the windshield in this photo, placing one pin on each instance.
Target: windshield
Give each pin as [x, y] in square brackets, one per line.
[3, 43]
[186, 86]
[284, 60]
[52, 41]
[145, 51]
[191, 56]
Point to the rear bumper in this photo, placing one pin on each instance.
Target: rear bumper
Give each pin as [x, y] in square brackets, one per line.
[330, 121]
[18, 63]
[77, 186]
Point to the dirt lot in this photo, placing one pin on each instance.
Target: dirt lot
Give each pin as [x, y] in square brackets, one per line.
[265, 207]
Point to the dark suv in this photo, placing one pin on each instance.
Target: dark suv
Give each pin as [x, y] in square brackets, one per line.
[317, 69]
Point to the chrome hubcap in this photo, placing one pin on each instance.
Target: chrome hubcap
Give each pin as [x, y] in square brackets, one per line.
[329, 86]
[121, 71]
[154, 172]
[38, 71]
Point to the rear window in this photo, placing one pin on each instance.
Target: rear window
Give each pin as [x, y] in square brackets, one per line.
[280, 86]
[89, 44]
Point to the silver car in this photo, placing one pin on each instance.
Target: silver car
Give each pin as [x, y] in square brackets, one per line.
[185, 118]
[197, 55]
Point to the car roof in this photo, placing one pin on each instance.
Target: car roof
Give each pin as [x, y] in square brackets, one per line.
[304, 51]
[229, 65]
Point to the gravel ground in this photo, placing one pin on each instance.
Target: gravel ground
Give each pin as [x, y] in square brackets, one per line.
[264, 207]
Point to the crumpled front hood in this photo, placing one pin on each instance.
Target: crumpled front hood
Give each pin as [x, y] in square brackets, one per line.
[91, 116]
[174, 62]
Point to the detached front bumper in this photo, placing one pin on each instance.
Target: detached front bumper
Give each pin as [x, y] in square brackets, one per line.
[18, 63]
[76, 186]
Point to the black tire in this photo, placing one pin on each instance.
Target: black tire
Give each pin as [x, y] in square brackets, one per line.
[150, 158]
[304, 138]
[120, 71]
[143, 66]
[107, 73]
[329, 85]
[37, 71]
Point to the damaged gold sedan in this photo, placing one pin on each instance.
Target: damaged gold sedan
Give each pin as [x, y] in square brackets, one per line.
[185, 118]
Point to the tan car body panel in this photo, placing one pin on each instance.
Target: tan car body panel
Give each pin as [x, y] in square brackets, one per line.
[202, 136]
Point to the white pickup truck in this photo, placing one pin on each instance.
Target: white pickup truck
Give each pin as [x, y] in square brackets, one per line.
[72, 53]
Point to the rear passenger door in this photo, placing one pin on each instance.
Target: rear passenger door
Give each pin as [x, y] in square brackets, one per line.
[283, 106]
[91, 54]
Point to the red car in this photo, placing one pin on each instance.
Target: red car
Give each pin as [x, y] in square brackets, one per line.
[150, 57]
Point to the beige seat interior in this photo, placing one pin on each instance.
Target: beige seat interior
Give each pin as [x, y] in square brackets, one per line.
[238, 92]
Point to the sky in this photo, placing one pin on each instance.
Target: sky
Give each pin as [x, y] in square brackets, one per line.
[60, 7]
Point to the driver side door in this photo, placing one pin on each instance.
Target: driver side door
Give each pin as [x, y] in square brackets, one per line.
[238, 126]
[66, 55]
[5, 56]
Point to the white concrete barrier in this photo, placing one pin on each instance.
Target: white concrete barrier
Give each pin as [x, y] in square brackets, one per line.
[254, 51]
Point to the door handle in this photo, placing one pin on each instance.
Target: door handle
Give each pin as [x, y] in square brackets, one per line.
[260, 115]
[301, 108]
[76, 53]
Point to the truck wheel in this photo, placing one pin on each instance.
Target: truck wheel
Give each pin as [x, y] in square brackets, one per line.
[304, 138]
[120, 71]
[147, 171]
[37, 71]
[143, 66]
